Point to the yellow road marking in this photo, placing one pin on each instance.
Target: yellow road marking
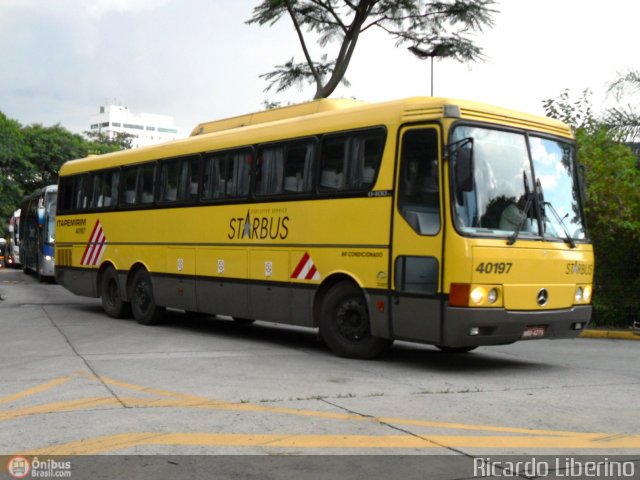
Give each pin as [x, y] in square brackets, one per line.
[80, 404]
[110, 443]
[515, 438]
[204, 402]
[35, 390]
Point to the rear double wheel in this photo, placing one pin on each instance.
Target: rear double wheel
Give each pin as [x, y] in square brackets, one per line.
[143, 304]
[344, 323]
[112, 302]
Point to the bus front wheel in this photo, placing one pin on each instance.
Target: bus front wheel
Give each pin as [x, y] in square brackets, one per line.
[143, 303]
[344, 323]
[112, 302]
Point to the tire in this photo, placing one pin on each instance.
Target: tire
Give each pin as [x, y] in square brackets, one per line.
[112, 302]
[344, 324]
[455, 349]
[143, 304]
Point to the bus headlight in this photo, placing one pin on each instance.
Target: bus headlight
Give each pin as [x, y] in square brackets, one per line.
[492, 296]
[466, 295]
[583, 294]
[477, 295]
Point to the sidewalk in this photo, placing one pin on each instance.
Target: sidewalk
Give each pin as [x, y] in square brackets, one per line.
[618, 334]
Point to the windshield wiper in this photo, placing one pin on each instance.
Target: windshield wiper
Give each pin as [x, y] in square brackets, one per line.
[560, 220]
[525, 215]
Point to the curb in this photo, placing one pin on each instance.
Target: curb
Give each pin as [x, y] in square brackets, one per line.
[610, 334]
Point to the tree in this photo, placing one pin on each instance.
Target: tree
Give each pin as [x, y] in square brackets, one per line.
[47, 149]
[433, 28]
[105, 143]
[12, 166]
[625, 119]
[31, 156]
[612, 182]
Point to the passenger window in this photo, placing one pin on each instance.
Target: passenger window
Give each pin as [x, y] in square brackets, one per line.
[351, 162]
[129, 180]
[189, 173]
[74, 193]
[298, 169]
[104, 189]
[365, 157]
[334, 163]
[169, 178]
[270, 170]
[179, 180]
[227, 174]
[285, 168]
[81, 199]
[146, 183]
[419, 197]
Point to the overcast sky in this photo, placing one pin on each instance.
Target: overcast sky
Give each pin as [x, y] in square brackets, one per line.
[196, 60]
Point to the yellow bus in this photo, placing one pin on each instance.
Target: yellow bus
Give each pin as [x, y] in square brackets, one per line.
[430, 220]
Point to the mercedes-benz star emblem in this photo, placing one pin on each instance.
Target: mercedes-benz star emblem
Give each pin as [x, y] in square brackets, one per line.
[543, 297]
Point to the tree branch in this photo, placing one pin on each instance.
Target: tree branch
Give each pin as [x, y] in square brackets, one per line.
[314, 72]
[329, 8]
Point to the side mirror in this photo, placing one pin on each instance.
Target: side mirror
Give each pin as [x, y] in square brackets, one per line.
[463, 170]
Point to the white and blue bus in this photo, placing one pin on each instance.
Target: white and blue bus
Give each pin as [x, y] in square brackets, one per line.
[37, 232]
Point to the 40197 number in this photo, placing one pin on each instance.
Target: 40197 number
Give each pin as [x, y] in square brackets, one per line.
[498, 268]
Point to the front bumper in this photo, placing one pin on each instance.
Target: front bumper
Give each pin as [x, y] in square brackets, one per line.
[499, 326]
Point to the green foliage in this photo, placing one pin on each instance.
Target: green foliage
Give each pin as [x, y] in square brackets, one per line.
[109, 142]
[31, 156]
[431, 29]
[612, 182]
[11, 162]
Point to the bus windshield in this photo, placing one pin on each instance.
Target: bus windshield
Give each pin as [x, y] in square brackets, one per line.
[50, 218]
[519, 186]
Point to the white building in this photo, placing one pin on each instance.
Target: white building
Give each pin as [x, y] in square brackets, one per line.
[147, 128]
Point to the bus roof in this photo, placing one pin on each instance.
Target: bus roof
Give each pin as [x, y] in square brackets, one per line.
[316, 117]
[272, 115]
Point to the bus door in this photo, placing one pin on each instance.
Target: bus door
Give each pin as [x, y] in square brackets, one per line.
[417, 236]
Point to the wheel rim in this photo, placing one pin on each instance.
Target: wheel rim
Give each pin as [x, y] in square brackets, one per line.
[352, 319]
[142, 296]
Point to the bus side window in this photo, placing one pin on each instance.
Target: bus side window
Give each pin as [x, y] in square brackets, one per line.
[110, 186]
[227, 175]
[67, 193]
[333, 163]
[169, 171]
[146, 177]
[351, 162]
[419, 198]
[238, 172]
[129, 180]
[270, 170]
[96, 189]
[81, 192]
[104, 187]
[212, 177]
[366, 152]
[188, 179]
[298, 169]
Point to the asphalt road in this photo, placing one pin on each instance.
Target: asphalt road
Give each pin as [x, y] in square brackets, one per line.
[76, 382]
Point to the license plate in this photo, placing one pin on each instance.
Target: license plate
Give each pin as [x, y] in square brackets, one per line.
[537, 331]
